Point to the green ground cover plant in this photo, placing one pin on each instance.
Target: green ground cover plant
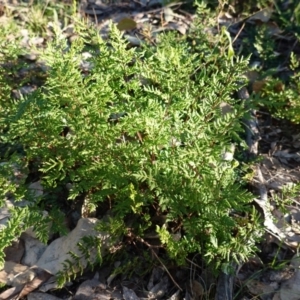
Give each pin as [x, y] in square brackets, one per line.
[141, 132]
[273, 46]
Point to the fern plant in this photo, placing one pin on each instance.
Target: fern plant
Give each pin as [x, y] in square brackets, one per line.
[282, 98]
[143, 131]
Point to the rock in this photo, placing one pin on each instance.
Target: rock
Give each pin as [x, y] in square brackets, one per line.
[36, 189]
[58, 251]
[15, 251]
[41, 296]
[33, 249]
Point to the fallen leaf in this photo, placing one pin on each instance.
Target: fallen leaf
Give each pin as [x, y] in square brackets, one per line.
[129, 294]
[133, 40]
[197, 289]
[41, 276]
[279, 87]
[126, 24]
[168, 14]
[20, 291]
[252, 75]
[263, 15]
[181, 28]
[257, 86]
[92, 289]
[10, 271]
[11, 293]
[273, 28]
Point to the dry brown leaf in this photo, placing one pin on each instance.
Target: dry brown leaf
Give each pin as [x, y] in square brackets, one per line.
[252, 75]
[279, 87]
[11, 293]
[197, 289]
[257, 86]
[41, 276]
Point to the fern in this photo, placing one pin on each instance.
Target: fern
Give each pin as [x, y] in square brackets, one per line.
[142, 130]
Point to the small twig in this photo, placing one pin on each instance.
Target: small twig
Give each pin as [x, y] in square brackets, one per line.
[162, 8]
[192, 263]
[252, 132]
[95, 16]
[164, 267]
[239, 32]
[262, 187]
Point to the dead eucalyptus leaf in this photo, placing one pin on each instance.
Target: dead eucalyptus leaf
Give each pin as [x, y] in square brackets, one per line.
[279, 87]
[36, 278]
[257, 86]
[263, 15]
[168, 14]
[129, 294]
[11, 293]
[126, 24]
[10, 271]
[252, 75]
[197, 289]
[41, 276]
[273, 28]
[133, 40]
[181, 28]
